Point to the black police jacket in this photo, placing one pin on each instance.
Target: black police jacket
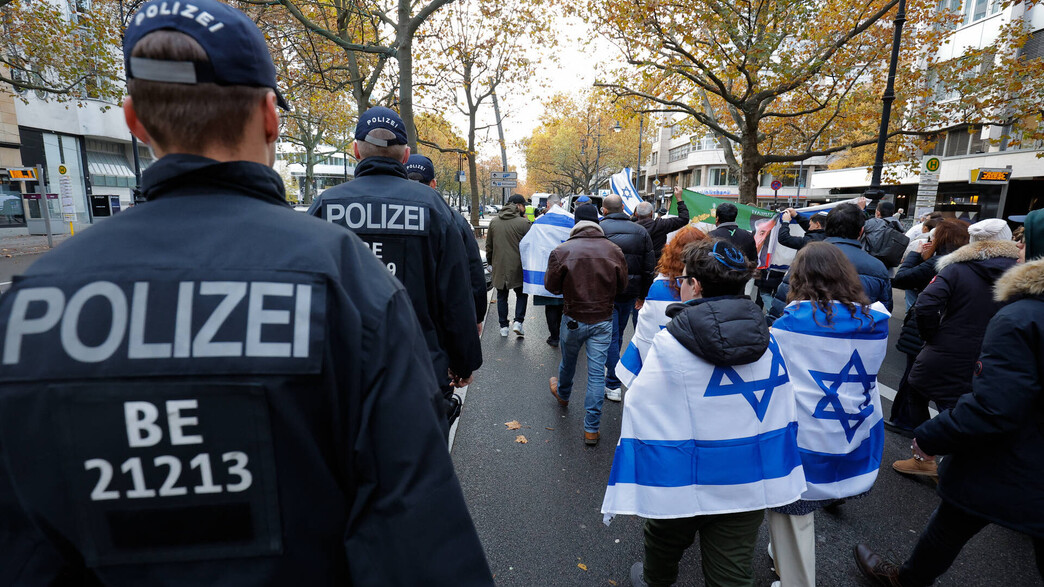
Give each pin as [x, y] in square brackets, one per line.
[414, 235]
[211, 389]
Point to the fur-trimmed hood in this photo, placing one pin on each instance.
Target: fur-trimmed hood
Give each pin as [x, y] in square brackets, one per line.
[1021, 280]
[979, 251]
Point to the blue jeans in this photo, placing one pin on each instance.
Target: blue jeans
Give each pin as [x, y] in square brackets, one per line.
[597, 337]
[911, 299]
[621, 312]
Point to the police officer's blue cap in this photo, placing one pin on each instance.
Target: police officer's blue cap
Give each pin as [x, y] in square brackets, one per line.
[422, 165]
[381, 117]
[236, 48]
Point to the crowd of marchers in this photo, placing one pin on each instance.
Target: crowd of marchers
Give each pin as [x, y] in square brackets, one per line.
[737, 410]
[268, 401]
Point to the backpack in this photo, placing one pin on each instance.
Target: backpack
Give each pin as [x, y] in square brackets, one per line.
[884, 242]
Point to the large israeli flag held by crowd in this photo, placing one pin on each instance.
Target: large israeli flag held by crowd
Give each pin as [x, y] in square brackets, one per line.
[621, 185]
[701, 439]
[652, 318]
[547, 232]
[834, 372]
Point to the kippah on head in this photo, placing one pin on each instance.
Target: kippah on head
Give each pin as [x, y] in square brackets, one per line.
[236, 49]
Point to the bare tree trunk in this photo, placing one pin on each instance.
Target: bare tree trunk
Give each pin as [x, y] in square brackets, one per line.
[473, 170]
[750, 166]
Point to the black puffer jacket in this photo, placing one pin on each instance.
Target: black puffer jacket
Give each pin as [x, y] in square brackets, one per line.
[637, 248]
[952, 314]
[995, 434]
[724, 330]
[914, 274]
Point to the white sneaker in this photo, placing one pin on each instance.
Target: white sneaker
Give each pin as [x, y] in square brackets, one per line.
[518, 329]
[504, 331]
[613, 394]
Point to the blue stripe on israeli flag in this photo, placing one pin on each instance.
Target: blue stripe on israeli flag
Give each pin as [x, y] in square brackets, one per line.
[677, 463]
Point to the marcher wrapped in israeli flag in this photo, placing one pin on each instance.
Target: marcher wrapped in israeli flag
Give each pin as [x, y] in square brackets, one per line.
[833, 366]
[547, 232]
[652, 318]
[709, 424]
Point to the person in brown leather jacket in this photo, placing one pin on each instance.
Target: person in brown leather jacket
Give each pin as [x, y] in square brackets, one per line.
[589, 271]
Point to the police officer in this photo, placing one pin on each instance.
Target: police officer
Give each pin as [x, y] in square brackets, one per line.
[420, 168]
[413, 233]
[210, 389]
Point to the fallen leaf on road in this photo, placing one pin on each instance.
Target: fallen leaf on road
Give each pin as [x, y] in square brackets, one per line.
[546, 428]
[611, 582]
[582, 566]
[521, 439]
[513, 425]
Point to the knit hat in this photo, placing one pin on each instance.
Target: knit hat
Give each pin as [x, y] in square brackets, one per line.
[992, 229]
[1034, 235]
[585, 212]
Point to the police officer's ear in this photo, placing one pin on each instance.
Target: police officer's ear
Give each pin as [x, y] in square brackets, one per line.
[406, 155]
[134, 123]
[271, 118]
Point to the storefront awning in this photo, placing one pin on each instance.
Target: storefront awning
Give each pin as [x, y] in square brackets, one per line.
[108, 164]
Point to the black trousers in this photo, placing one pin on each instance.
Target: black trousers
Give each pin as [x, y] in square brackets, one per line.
[521, 299]
[910, 406]
[553, 315]
[948, 530]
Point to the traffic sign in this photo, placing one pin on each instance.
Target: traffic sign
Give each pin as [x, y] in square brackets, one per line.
[504, 175]
[776, 184]
[505, 183]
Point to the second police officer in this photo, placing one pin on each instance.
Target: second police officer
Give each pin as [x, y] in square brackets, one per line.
[414, 236]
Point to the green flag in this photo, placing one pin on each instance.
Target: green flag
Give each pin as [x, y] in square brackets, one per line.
[701, 209]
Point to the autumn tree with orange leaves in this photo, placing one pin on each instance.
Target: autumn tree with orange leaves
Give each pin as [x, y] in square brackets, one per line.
[785, 80]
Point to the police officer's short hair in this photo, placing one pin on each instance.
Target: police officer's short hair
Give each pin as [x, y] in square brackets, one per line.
[367, 150]
[189, 117]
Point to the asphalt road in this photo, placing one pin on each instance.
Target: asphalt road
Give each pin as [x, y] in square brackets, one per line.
[11, 266]
[536, 505]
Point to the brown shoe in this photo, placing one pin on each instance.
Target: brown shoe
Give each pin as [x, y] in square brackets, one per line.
[878, 570]
[913, 466]
[554, 391]
[590, 438]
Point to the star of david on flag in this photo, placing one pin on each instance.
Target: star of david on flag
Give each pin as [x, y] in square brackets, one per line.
[831, 384]
[748, 389]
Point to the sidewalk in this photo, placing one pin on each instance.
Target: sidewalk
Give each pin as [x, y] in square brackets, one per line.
[14, 246]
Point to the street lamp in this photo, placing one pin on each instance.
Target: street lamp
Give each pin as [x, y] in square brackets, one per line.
[874, 192]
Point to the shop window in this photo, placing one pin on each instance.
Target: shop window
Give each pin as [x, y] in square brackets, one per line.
[722, 176]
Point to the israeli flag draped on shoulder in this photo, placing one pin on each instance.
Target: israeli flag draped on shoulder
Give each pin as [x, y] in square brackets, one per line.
[652, 318]
[833, 367]
[547, 232]
[699, 439]
[620, 184]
